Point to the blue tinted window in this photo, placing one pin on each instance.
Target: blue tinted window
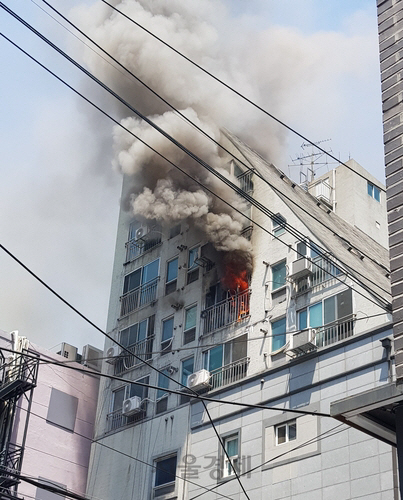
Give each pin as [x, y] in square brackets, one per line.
[302, 319]
[278, 275]
[172, 270]
[278, 334]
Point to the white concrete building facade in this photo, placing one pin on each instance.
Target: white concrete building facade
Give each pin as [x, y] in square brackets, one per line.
[300, 332]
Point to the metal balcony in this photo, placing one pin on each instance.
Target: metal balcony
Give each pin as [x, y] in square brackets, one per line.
[323, 272]
[18, 375]
[137, 247]
[229, 374]
[245, 181]
[139, 297]
[335, 331]
[226, 312]
[142, 351]
[116, 419]
[10, 465]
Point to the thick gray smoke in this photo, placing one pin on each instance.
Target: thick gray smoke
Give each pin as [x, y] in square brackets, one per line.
[159, 191]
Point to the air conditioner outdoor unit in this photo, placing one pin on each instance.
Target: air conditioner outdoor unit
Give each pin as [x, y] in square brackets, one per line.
[199, 380]
[92, 357]
[300, 268]
[303, 341]
[141, 232]
[112, 354]
[131, 406]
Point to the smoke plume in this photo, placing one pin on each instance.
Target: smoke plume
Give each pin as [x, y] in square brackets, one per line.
[159, 192]
[263, 69]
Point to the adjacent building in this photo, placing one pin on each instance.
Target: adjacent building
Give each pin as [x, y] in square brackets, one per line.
[308, 325]
[47, 420]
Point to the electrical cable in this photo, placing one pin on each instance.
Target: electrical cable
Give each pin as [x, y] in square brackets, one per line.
[47, 487]
[179, 349]
[116, 451]
[192, 395]
[219, 440]
[306, 443]
[232, 89]
[235, 188]
[318, 438]
[199, 129]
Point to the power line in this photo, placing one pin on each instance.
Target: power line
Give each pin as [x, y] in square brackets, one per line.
[235, 340]
[195, 395]
[125, 455]
[239, 94]
[302, 445]
[200, 130]
[226, 181]
[47, 487]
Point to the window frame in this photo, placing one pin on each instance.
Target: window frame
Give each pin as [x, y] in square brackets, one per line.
[278, 223]
[171, 285]
[374, 191]
[166, 344]
[234, 460]
[283, 318]
[275, 286]
[189, 330]
[322, 302]
[169, 486]
[287, 425]
[161, 404]
[192, 270]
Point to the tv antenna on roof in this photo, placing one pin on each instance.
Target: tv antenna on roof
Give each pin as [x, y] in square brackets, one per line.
[310, 162]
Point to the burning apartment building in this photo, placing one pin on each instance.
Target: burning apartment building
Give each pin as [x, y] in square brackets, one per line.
[286, 312]
[233, 282]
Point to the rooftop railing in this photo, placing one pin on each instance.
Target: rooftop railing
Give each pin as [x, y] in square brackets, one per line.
[226, 312]
[229, 374]
[139, 297]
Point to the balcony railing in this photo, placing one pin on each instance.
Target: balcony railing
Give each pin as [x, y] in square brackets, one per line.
[335, 331]
[229, 374]
[323, 271]
[245, 181]
[136, 247]
[139, 297]
[226, 312]
[116, 419]
[142, 351]
[10, 465]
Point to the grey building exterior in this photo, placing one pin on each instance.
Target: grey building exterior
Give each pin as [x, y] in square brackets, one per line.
[390, 22]
[308, 330]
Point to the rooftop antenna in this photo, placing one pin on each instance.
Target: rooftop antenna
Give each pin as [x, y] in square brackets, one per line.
[310, 162]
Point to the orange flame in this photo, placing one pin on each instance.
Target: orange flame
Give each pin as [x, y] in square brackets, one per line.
[236, 281]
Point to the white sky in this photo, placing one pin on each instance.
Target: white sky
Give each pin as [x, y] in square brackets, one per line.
[59, 197]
